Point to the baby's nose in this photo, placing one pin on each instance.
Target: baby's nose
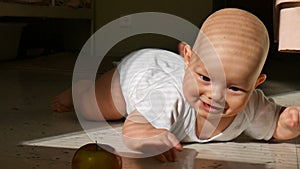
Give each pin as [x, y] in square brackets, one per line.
[218, 94]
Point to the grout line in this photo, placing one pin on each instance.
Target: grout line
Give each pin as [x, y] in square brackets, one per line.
[297, 154]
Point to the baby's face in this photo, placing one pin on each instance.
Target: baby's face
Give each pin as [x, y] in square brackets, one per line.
[228, 96]
[240, 42]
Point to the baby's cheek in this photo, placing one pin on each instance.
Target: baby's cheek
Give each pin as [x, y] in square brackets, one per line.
[236, 104]
[190, 88]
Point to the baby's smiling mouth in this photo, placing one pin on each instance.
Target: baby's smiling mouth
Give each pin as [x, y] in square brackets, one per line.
[212, 109]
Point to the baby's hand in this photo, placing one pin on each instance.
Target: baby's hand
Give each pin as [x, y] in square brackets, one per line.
[165, 145]
[161, 144]
[288, 126]
[291, 118]
[140, 135]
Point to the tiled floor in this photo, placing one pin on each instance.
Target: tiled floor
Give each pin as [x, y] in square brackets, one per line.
[26, 118]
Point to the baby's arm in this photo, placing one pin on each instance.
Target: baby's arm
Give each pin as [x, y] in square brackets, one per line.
[139, 134]
[288, 125]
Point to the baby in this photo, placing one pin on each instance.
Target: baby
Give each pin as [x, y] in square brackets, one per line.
[209, 94]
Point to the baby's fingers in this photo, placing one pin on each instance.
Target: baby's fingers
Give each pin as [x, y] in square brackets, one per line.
[161, 143]
[173, 142]
[293, 117]
[167, 156]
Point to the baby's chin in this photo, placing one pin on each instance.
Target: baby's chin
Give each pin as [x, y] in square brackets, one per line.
[213, 116]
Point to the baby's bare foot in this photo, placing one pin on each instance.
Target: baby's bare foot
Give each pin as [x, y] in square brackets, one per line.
[63, 102]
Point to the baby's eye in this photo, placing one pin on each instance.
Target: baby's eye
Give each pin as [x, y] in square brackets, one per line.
[204, 78]
[235, 89]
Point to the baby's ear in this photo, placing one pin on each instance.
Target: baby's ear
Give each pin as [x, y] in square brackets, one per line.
[187, 54]
[261, 79]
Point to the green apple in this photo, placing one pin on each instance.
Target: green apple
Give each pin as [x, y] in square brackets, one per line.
[93, 156]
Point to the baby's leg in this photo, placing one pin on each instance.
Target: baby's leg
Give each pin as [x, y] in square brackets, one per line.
[64, 102]
[104, 101]
[107, 103]
[109, 97]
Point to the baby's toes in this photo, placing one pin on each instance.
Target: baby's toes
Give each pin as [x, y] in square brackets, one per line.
[57, 106]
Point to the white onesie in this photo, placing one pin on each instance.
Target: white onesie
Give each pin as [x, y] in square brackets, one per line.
[151, 82]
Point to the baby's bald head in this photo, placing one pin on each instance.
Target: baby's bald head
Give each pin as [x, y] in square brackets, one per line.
[238, 37]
